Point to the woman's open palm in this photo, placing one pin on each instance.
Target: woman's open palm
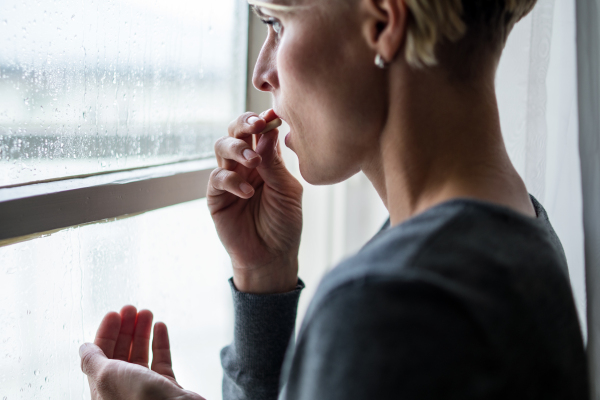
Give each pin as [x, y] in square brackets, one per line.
[117, 363]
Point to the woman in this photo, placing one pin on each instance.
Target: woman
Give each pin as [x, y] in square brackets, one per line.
[464, 295]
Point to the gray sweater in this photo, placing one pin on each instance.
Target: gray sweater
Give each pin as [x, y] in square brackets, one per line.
[467, 300]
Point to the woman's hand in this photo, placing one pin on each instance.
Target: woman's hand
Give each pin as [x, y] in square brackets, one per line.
[256, 205]
[117, 363]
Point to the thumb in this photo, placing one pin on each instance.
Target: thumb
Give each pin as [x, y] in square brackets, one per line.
[92, 359]
[272, 168]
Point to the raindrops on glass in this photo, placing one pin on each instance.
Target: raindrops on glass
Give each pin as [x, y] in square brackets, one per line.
[91, 87]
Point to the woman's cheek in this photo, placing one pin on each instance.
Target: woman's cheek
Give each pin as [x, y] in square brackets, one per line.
[303, 54]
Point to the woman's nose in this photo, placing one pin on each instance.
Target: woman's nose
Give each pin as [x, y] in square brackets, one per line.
[265, 71]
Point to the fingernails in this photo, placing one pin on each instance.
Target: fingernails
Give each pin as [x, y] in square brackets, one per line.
[246, 188]
[82, 349]
[249, 154]
[253, 120]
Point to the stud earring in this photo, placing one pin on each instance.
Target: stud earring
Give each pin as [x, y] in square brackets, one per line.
[379, 61]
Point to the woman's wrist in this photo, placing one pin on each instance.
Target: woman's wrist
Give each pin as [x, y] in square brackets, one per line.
[281, 279]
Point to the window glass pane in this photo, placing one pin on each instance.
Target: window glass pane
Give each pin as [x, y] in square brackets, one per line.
[90, 86]
[55, 290]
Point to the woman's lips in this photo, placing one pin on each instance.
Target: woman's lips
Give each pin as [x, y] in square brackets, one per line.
[287, 139]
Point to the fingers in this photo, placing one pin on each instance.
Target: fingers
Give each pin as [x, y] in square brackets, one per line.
[272, 168]
[123, 346]
[238, 146]
[126, 336]
[246, 125]
[193, 396]
[279, 152]
[268, 115]
[140, 345]
[237, 150]
[267, 147]
[92, 359]
[276, 123]
[108, 333]
[161, 351]
[221, 180]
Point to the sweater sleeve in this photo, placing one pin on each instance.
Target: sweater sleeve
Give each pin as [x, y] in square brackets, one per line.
[263, 327]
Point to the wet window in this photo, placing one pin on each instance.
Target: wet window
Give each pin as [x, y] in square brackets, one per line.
[55, 290]
[93, 86]
[98, 86]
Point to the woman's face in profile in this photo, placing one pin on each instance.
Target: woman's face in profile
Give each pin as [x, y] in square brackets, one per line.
[317, 65]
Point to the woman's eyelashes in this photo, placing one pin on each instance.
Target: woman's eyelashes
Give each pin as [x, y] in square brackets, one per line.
[275, 24]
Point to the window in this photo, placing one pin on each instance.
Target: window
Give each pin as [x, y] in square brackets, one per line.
[109, 110]
[90, 87]
[59, 287]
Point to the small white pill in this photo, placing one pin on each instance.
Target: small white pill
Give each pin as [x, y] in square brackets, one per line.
[276, 123]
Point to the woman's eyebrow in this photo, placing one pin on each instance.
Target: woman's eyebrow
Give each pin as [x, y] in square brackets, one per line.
[256, 5]
[257, 10]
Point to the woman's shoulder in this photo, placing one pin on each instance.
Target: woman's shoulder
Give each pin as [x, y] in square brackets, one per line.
[479, 254]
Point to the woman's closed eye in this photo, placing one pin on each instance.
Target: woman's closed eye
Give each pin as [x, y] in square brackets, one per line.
[275, 24]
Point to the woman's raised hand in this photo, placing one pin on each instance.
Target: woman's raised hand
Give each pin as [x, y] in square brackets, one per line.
[256, 205]
[117, 362]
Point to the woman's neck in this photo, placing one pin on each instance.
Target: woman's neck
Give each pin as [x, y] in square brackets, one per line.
[443, 141]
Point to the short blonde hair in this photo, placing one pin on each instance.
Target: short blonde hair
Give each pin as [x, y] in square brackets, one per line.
[432, 22]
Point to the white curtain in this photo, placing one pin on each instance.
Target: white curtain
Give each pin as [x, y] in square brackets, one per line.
[537, 94]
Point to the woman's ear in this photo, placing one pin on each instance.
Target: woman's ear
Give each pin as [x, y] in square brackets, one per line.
[384, 26]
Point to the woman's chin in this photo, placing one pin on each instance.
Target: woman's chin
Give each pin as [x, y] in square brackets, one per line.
[319, 176]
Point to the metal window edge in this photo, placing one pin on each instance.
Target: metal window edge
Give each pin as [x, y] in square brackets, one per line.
[37, 235]
[588, 71]
[37, 209]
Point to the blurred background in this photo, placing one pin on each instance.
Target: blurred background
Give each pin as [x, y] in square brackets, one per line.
[96, 86]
